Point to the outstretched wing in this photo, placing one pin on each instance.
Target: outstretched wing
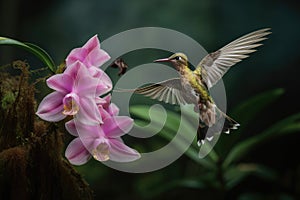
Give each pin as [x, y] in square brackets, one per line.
[213, 66]
[169, 91]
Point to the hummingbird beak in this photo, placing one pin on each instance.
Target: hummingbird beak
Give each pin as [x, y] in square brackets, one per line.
[162, 60]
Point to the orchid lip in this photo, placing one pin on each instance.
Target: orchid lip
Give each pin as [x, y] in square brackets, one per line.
[101, 153]
[71, 106]
[162, 60]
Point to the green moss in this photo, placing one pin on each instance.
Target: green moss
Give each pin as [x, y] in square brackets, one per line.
[7, 100]
[31, 162]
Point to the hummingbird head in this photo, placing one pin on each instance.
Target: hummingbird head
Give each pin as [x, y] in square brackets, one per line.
[179, 60]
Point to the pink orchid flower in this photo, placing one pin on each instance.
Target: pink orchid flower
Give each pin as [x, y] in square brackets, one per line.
[92, 56]
[102, 142]
[96, 126]
[75, 92]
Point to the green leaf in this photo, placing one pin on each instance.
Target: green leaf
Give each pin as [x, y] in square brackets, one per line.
[235, 174]
[288, 125]
[156, 115]
[34, 49]
[153, 190]
[170, 129]
[246, 111]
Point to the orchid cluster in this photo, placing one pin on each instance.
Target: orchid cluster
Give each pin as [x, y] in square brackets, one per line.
[78, 92]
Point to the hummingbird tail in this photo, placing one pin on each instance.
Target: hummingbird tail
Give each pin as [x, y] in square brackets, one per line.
[229, 124]
[201, 134]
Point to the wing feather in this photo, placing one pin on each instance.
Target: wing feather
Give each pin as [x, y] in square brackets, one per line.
[213, 66]
[169, 91]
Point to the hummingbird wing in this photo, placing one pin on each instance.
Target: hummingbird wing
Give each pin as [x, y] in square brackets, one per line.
[213, 66]
[169, 91]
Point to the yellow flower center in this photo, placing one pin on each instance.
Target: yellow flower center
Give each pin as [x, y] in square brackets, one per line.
[101, 153]
[70, 108]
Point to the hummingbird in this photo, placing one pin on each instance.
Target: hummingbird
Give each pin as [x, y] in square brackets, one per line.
[192, 86]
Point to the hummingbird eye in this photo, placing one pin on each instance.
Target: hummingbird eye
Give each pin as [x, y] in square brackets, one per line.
[177, 58]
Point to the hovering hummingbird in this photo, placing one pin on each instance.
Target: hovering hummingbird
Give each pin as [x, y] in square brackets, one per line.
[193, 85]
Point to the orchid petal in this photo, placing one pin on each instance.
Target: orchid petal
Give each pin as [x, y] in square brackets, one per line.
[60, 82]
[88, 112]
[101, 75]
[90, 135]
[104, 82]
[71, 128]
[86, 131]
[117, 126]
[51, 107]
[90, 54]
[113, 109]
[120, 152]
[103, 112]
[86, 85]
[107, 100]
[72, 69]
[92, 43]
[97, 57]
[77, 54]
[100, 101]
[76, 153]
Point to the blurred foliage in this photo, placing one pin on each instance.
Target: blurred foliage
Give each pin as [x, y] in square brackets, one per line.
[258, 161]
[221, 174]
[226, 167]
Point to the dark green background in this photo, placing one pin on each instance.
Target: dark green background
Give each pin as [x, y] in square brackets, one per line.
[59, 26]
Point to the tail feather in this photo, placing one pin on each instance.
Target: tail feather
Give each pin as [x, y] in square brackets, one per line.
[229, 124]
[201, 133]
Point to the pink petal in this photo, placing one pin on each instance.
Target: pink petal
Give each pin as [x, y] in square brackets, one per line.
[90, 54]
[51, 107]
[90, 135]
[117, 126]
[107, 100]
[104, 114]
[86, 85]
[100, 74]
[104, 85]
[75, 55]
[97, 57]
[100, 101]
[72, 69]
[104, 82]
[88, 112]
[120, 152]
[88, 132]
[60, 82]
[71, 128]
[113, 109]
[76, 153]
[92, 43]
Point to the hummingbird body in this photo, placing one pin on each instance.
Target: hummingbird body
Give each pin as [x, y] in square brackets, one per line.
[192, 87]
[193, 83]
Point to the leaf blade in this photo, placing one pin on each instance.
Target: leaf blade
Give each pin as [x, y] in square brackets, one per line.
[285, 126]
[34, 49]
